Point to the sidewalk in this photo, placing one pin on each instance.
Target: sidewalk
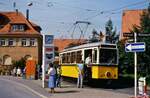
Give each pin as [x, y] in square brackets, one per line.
[67, 90]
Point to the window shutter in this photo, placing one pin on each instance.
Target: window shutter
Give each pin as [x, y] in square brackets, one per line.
[14, 42]
[36, 42]
[19, 42]
[28, 42]
[6, 42]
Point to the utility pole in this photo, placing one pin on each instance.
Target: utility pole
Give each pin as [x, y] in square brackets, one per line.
[43, 63]
[135, 67]
[135, 47]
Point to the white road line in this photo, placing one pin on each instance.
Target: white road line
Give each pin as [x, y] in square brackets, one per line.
[42, 96]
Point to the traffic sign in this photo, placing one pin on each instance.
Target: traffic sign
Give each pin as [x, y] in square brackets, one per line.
[49, 39]
[127, 34]
[144, 34]
[135, 47]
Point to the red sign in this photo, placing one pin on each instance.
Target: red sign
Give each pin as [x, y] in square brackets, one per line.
[49, 49]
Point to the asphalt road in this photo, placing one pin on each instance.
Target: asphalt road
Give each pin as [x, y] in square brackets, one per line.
[121, 85]
[12, 87]
[13, 90]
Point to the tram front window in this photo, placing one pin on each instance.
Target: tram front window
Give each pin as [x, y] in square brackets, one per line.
[108, 56]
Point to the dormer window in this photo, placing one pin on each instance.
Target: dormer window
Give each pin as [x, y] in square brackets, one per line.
[18, 27]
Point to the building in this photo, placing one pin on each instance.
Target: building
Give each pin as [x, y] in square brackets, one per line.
[60, 44]
[130, 18]
[19, 38]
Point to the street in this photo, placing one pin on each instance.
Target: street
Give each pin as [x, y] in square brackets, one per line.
[15, 87]
[13, 90]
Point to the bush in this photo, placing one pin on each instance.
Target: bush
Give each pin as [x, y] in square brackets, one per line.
[20, 63]
[148, 80]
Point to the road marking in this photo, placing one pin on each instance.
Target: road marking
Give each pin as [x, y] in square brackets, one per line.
[42, 96]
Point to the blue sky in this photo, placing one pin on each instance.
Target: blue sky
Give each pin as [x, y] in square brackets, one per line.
[58, 16]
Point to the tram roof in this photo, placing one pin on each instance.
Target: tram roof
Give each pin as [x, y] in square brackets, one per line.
[87, 45]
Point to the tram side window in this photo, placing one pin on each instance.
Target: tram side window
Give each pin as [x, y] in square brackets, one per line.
[63, 58]
[68, 58]
[95, 56]
[79, 56]
[73, 57]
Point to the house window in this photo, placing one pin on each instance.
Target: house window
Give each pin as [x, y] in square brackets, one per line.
[10, 42]
[18, 27]
[24, 42]
[2, 42]
[32, 42]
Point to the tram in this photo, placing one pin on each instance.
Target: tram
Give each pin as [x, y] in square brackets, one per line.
[104, 63]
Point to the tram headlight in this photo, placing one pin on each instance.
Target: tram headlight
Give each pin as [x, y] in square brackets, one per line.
[108, 74]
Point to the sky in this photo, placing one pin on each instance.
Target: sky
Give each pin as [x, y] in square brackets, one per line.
[58, 17]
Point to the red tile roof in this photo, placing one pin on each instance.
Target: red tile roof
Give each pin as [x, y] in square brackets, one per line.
[129, 19]
[16, 18]
[62, 43]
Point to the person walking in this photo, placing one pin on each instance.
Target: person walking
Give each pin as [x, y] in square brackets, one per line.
[59, 71]
[18, 72]
[80, 74]
[24, 73]
[52, 78]
[87, 69]
[14, 71]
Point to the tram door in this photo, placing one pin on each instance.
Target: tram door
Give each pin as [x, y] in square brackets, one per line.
[87, 70]
[87, 53]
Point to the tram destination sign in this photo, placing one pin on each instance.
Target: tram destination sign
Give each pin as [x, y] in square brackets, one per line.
[135, 47]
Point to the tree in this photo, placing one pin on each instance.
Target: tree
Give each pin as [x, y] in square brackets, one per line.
[111, 36]
[94, 36]
[125, 59]
[20, 63]
[144, 58]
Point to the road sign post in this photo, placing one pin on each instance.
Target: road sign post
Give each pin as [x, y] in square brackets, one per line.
[48, 54]
[43, 62]
[135, 69]
[135, 47]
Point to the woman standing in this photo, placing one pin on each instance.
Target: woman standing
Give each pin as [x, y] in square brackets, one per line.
[52, 77]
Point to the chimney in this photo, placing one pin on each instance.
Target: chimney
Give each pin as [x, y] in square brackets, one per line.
[27, 14]
[17, 11]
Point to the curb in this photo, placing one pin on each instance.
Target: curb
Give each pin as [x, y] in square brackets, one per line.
[35, 92]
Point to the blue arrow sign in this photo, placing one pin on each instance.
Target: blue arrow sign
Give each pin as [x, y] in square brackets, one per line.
[135, 47]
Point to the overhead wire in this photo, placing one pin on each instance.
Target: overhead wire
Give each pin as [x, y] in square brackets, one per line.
[110, 12]
[117, 9]
[65, 5]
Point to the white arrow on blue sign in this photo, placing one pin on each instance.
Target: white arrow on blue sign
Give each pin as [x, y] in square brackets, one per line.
[135, 47]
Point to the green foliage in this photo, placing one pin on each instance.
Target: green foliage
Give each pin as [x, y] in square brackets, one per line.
[94, 36]
[111, 36]
[144, 57]
[56, 53]
[20, 63]
[125, 60]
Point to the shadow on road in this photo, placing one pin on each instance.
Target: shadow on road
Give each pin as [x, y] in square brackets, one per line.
[69, 91]
[121, 82]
